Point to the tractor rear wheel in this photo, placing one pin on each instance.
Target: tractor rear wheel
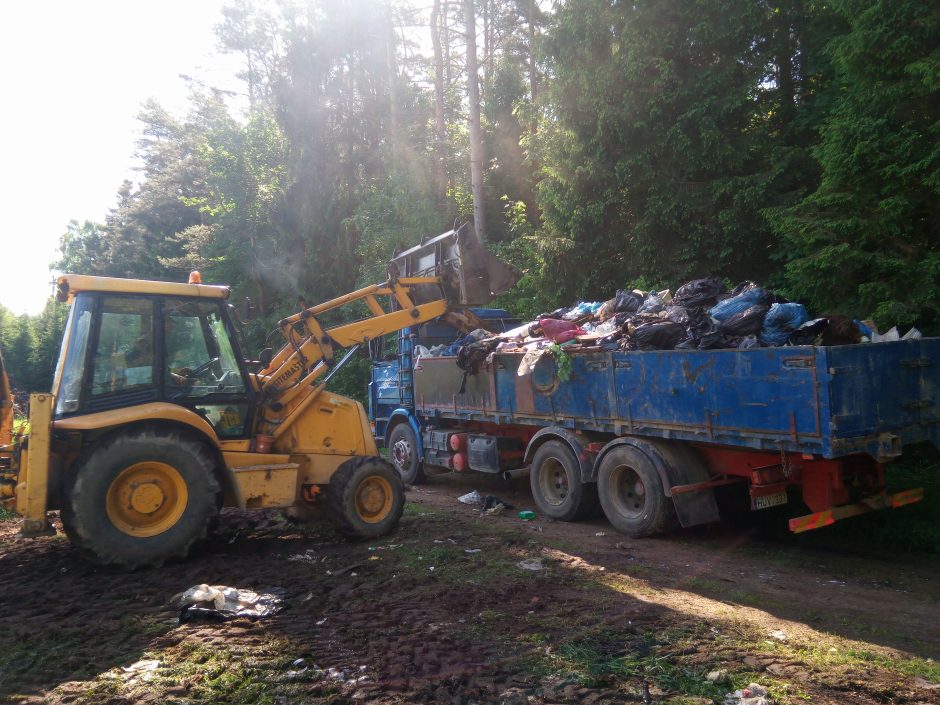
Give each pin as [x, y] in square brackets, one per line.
[366, 498]
[142, 498]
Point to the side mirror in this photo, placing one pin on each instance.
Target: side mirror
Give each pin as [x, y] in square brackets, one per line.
[264, 357]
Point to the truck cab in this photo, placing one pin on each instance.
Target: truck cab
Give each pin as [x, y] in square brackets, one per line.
[391, 387]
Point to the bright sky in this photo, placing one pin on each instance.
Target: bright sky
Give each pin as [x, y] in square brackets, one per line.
[75, 75]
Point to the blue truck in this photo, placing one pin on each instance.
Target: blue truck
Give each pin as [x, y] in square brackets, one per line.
[657, 438]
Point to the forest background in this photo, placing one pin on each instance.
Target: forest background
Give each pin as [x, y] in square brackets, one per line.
[793, 143]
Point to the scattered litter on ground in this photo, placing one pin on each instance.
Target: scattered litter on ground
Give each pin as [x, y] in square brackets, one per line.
[341, 571]
[308, 556]
[492, 501]
[531, 564]
[143, 670]
[495, 510]
[472, 550]
[778, 635]
[720, 676]
[471, 498]
[601, 533]
[387, 547]
[220, 602]
[527, 515]
[754, 694]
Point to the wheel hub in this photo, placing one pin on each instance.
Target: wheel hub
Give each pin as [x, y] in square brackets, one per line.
[401, 452]
[629, 492]
[146, 498]
[373, 499]
[554, 482]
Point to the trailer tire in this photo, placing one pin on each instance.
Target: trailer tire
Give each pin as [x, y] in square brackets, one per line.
[366, 498]
[403, 454]
[142, 498]
[631, 494]
[555, 478]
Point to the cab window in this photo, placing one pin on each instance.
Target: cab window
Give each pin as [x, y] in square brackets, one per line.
[200, 360]
[123, 358]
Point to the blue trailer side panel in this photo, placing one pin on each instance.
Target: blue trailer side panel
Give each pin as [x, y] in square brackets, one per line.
[825, 401]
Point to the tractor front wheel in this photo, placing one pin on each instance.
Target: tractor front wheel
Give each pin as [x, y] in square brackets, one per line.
[366, 498]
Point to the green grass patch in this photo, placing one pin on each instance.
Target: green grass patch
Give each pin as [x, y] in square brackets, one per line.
[820, 657]
[605, 657]
[64, 654]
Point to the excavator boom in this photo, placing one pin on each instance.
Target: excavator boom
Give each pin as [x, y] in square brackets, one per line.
[447, 271]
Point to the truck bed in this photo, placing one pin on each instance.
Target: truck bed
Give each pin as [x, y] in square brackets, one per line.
[825, 401]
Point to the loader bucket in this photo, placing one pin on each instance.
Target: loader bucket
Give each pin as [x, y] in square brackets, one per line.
[471, 275]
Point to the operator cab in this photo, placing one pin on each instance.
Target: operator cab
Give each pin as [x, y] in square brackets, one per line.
[123, 349]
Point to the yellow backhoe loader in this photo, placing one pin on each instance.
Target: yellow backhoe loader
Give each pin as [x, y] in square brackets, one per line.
[155, 421]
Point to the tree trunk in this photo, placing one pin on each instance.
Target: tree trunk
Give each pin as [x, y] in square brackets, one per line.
[440, 129]
[476, 140]
[533, 126]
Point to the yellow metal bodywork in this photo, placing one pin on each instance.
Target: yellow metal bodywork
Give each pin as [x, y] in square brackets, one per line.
[33, 490]
[328, 432]
[70, 284]
[153, 411]
[271, 485]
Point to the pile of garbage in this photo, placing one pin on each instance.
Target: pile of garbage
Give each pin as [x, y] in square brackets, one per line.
[700, 315]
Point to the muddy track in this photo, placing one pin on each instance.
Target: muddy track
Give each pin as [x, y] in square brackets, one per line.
[441, 613]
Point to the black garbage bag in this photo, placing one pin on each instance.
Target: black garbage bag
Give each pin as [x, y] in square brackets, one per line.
[829, 330]
[627, 301]
[747, 322]
[712, 339]
[699, 292]
[651, 303]
[677, 314]
[664, 335]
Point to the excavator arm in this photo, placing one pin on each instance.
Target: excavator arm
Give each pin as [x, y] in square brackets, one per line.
[425, 282]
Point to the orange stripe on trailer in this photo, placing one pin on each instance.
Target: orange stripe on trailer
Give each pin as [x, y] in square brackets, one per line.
[870, 504]
[908, 497]
[812, 521]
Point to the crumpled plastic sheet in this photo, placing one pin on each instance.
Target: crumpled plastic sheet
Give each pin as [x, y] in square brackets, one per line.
[218, 603]
[780, 322]
[751, 296]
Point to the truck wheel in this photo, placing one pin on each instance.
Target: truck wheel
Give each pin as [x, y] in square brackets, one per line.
[631, 494]
[403, 453]
[142, 498]
[557, 489]
[366, 498]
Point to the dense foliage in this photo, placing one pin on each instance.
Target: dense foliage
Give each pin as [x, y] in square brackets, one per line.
[625, 143]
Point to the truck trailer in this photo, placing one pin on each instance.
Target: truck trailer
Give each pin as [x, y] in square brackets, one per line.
[656, 438]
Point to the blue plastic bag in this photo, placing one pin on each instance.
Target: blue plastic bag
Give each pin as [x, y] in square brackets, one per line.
[724, 310]
[781, 320]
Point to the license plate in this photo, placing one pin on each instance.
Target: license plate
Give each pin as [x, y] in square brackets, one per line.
[769, 500]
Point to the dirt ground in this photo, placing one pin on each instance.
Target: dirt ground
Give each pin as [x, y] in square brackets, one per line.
[441, 612]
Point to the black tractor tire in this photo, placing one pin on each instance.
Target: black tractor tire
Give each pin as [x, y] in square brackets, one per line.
[555, 478]
[631, 494]
[366, 498]
[141, 498]
[403, 454]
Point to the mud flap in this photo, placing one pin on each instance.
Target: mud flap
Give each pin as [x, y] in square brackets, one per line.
[685, 467]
